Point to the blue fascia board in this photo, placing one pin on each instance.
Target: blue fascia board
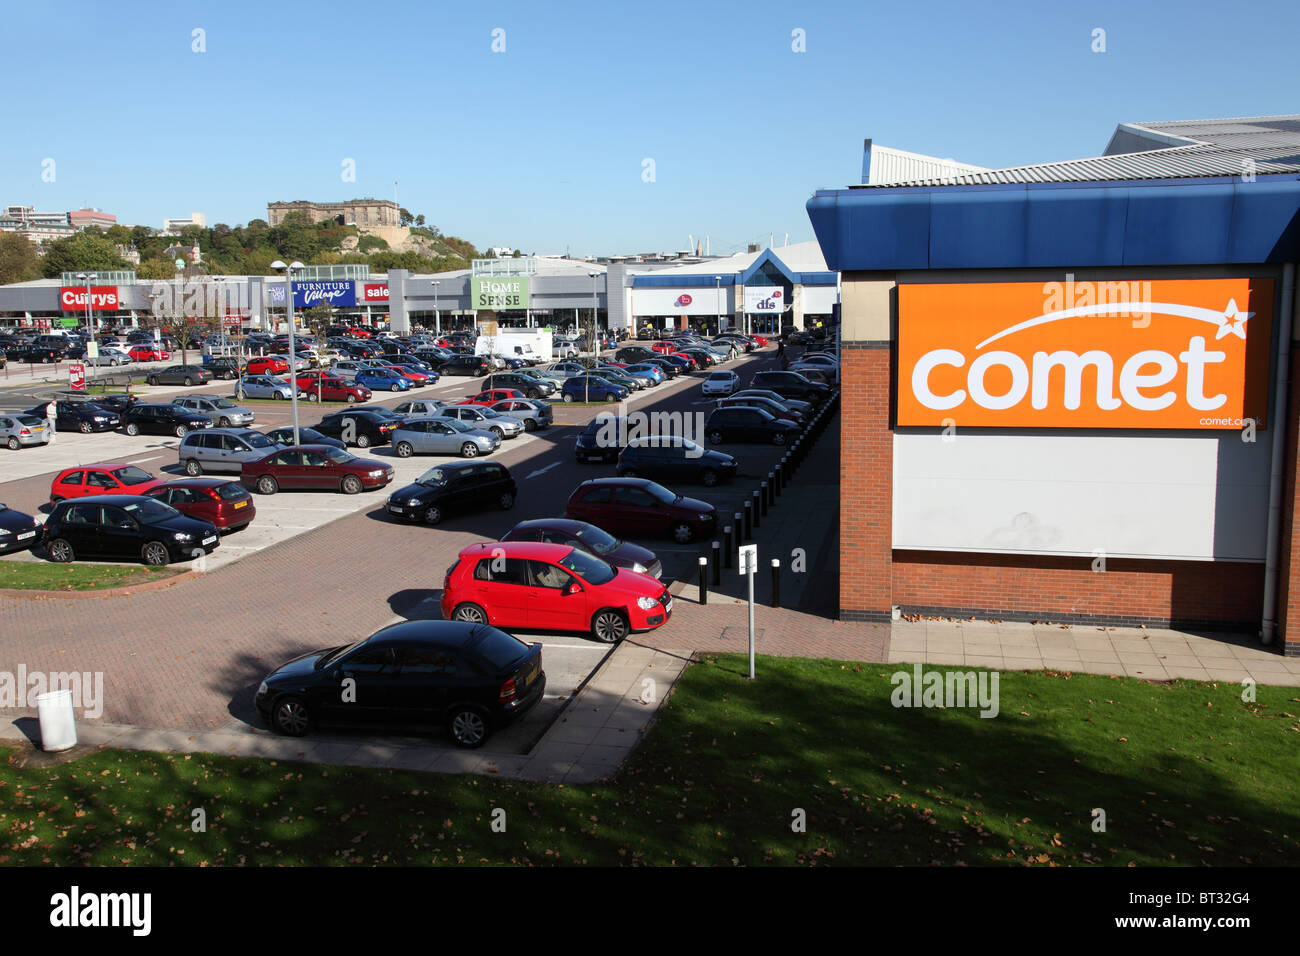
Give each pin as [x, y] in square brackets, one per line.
[691, 281]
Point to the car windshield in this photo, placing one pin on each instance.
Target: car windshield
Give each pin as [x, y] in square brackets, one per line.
[588, 568]
[338, 652]
[30, 420]
[434, 477]
[223, 403]
[661, 494]
[338, 455]
[598, 541]
[148, 510]
[490, 413]
[258, 440]
[130, 475]
[457, 425]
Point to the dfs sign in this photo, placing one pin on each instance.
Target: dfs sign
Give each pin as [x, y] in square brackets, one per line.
[1188, 353]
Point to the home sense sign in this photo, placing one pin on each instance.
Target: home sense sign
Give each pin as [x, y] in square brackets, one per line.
[1188, 353]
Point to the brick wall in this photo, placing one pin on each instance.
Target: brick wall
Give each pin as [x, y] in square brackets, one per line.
[1129, 592]
[1288, 572]
[866, 483]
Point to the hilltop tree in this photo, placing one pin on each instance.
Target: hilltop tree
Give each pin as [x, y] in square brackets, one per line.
[80, 252]
[18, 259]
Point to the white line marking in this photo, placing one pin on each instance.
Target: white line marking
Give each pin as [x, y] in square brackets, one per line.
[542, 471]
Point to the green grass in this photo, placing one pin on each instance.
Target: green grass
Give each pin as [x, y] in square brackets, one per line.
[44, 576]
[1186, 773]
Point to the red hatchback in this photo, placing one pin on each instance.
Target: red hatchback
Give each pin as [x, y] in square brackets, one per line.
[226, 503]
[147, 353]
[106, 479]
[267, 365]
[492, 396]
[327, 388]
[314, 466]
[552, 587]
[637, 508]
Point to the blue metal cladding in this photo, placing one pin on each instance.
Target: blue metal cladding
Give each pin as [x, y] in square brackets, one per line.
[1137, 223]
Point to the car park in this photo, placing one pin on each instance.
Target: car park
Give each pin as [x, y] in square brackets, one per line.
[675, 459]
[222, 412]
[21, 430]
[452, 489]
[129, 526]
[535, 414]
[442, 436]
[225, 503]
[470, 679]
[359, 427]
[265, 386]
[552, 587]
[747, 423]
[314, 467]
[19, 531]
[640, 508]
[79, 416]
[162, 420]
[306, 436]
[589, 538]
[485, 418]
[720, 383]
[186, 375]
[221, 449]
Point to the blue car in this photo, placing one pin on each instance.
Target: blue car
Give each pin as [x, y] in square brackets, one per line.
[649, 373]
[382, 379]
[592, 388]
[511, 362]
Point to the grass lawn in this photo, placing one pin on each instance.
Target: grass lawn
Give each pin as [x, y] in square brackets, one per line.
[1186, 773]
[45, 576]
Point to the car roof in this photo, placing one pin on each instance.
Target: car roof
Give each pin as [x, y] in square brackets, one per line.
[105, 499]
[107, 466]
[560, 524]
[518, 549]
[198, 483]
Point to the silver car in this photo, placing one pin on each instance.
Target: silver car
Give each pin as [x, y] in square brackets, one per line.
[443, 436]
[221, 411]
[478, 417]
[222, 449]
[265, 386]
[21, 430]
[533, 413]
[426, 407]
[110, 355]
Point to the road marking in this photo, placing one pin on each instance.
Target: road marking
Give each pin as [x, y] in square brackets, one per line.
[136, 461]
[542, 471]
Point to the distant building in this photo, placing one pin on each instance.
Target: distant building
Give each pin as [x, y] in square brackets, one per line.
[354, 212]
[39, 227]
[82, 218]
[174, 227]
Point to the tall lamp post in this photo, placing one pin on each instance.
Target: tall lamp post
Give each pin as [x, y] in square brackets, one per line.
[437, 316]
[90, 306]
[288, 270]
[717, 282]
[591, 335]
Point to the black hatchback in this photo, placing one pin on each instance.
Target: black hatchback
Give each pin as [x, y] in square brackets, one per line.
[587, 537]
[791, 385]
[465, 365]
[162, 420]
[359, 427]
[469, 678]
[83, 417]
[675, 460]
[125, 526]
[454, 488]
[746, 423]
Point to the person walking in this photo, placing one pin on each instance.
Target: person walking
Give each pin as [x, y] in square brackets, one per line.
[51, 419]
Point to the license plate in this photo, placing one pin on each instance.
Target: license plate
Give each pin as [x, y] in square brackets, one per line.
[668, 605]
[240, 504]
[26, 534]
[395, 510]
[211, 540]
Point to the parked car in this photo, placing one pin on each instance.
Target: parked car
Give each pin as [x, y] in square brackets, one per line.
[589, 538]
[117, 403]
[359, 427]
[470, 679]
[266, 365]
[221, 366]
[222, 412]
[18, 530]
[650, 374]
[226, 503]
[22, 430]
[602, 438]
[465, 365]
[641, 508]
[552, 587]
[486, 419]
[667, 368]
[125, 526]
[747, 423]
[720, 383]
[420, 408]
[592, 388]
[78, 416]
[675, 459]
[148, 353]
[382, 379]
[111, 355]
[321, 386]
[491, 397]
[443, 436]
[162, 420]
[186, 375]
[532, 386]
[535, 414]
[222, 449]
[315, 467]
[454, 488]
[798, 410]
[35, 354]
[109, 478]
[775, 408]
[791, 385]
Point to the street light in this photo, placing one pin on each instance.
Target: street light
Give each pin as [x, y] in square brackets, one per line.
[288, 270]
[437, 318]
[717, 281]
[591, 334]
[90, 308]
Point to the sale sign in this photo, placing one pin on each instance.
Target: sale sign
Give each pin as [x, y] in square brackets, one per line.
[1177, 353]
[77, 377]
[102, 297]
[376, 291]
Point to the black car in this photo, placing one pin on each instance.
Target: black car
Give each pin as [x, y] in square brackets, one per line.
[162, 420]
[34, 354]
[632, 354]
[677, 460]
[125, 526]
[791, 385]
[85, 417]
[18, 531]
[603, 439]
[118, 402]
[465, 365]
[306, 436]
[530, 386]
[186, 375]
[748, 423]
[358, 426]
[454, 488]
[669, 369]
[587, 537]
[222, 366]
[469, 678]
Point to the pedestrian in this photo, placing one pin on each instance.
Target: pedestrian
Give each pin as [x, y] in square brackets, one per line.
[780, 350]
[51, 416]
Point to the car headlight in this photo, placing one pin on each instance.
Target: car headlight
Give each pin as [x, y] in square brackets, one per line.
[647, 603]
[639, 568]
[261, 688]
[377, 473]
[100, 418]
[413, 502]
[181, 536]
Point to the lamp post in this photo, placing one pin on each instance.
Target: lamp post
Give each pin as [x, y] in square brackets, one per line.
[90, 308]
[437, 315]
[717, 282]
[591, 334]
[288, 271]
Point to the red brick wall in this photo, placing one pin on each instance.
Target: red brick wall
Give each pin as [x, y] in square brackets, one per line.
[866, 484]
[1288, 572]
[1048, 588]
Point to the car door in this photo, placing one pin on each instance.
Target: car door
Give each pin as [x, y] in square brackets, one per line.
[425, 678]
[368, 689]
[549, 607]
[101, 483]
[316, 471]
[596, 506]
[440, 438]
[640, 510]
[81, 529]
[118, 533]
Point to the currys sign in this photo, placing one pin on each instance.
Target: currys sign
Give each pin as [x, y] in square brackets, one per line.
[310, 293]
[376, 291]
[102, 297]
[683, 300]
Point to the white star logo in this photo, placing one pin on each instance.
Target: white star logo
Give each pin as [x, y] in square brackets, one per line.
[1233, 321]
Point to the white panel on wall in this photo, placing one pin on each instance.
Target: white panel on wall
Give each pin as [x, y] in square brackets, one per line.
[818, 299]
[1136, 495]
[656, 300]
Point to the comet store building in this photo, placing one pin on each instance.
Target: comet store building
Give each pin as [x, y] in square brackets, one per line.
[1070, 402]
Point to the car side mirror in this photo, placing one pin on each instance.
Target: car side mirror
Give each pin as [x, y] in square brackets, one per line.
[574, 588]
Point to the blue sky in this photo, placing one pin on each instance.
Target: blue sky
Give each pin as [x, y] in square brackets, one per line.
[541, 147]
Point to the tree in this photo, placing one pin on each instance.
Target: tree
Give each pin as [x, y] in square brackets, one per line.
[404, 217]
[419, 220]
[18, 259]
[80, 252]
[156, 269]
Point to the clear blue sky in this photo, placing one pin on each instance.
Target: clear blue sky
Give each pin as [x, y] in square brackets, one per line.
[541, 147]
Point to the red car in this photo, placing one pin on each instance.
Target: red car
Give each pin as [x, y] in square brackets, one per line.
[492, 396]
[314, 466]
[267, 365]
[638, 508]
[148, 353]
[223, 501]
[359, 332]
[552, 587]
[331, 389]
[664, 347]
[761, 340]
[105, 479]
[414, 376]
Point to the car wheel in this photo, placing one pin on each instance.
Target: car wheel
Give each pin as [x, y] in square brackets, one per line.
[468, 727]
[469, 450]
[311, 397]
[530, 425]
[181, 431]
[61, 551]
[266, 485]
[291, 717]
[279, 397]
[568, 397]
[193, 468]
[352, 399]
[351, 485]
[611, 397]
[533, 393]
[153, 380]
[14, 444]
[188, 382]
[683, 532]
[709, 478]
[404, 449]
[392, 386]
[433, 515]
[84, 428]
[469, 613]
[778, 438]
[505, 501]
[155, 554]
[499, 432]
[133, 429]
[363, 441]
[609, 626]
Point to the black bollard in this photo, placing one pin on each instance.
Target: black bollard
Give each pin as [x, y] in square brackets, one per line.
[756, 508]
[738, 520]
[726, 547]
[704, 582]
[774, 480]
[748, 523]
[765, 494]
[717, 562]
[776, 582]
